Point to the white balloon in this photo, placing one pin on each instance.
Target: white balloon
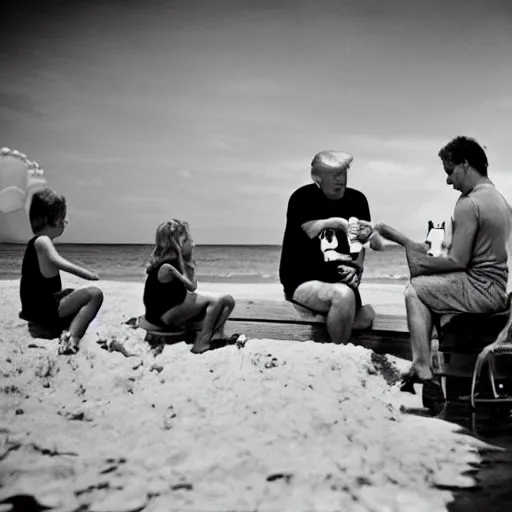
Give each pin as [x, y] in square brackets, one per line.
[13, 173]
[20, 178]
[12, 199]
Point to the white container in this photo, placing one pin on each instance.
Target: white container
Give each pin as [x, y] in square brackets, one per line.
[355, 245]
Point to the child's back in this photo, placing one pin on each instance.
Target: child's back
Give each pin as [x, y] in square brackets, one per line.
[37, 293]
[159, 297]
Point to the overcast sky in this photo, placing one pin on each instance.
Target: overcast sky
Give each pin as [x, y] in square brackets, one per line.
[211, 110]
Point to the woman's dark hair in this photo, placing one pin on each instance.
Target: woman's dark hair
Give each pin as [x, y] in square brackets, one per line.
[47, 208]
[465, 149]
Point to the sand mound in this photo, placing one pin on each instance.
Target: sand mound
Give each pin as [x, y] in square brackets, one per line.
[276, 425]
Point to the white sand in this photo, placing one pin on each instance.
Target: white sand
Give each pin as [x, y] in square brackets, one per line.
[275, 426]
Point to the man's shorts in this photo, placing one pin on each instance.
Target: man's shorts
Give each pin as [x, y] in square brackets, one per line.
[457, 292]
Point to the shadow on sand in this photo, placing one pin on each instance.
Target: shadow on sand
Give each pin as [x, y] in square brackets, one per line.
[493, 475]
[46, 332]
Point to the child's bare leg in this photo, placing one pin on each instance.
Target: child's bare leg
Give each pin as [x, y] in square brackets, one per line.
[229, 305]
[215, 310]
[83, 305]
[194, 310]
[211, 323]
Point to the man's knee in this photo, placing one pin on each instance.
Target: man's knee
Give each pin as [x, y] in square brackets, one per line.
[342, 295]
[410, 291]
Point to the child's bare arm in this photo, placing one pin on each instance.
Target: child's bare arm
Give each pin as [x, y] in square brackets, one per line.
[186, 269]
[46, 249]
[168, 272]
[190, 272]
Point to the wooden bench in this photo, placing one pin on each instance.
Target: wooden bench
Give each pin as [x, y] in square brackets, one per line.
[280, 319]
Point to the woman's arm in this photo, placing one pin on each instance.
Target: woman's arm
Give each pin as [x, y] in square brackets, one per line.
[47, 252]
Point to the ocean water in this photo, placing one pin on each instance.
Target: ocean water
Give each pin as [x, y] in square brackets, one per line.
[215, 263]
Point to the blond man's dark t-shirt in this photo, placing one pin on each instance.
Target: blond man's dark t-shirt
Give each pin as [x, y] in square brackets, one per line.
[302, 258]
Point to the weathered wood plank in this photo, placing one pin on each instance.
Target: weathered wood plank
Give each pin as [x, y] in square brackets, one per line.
[283, 312]
[382, 342]
[279, 319]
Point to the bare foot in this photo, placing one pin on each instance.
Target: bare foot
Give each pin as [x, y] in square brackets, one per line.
[364, 318]
[68, 344]
[422, 372]
[219, 334]
[199, 348]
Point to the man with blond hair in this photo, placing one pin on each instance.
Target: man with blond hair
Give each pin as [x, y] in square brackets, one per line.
[317, 270]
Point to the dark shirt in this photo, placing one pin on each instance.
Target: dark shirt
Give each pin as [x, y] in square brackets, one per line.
[161, 297]
[302, 258]
[37, 293]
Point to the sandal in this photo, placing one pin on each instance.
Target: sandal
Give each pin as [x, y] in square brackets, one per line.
[408, 381]
[432, 396]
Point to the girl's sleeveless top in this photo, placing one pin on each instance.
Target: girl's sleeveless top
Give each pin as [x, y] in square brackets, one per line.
[38, 303]
[160, 297]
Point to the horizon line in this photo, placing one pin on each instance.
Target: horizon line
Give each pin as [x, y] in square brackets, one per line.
[57, 242]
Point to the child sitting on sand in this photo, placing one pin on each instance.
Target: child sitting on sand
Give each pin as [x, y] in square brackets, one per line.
[169, 293]
[43, 300]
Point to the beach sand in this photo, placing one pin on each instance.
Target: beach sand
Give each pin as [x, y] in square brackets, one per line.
[273, 426]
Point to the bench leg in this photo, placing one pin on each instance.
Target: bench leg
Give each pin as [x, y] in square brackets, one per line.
[491, 368]
[443, 385]
[439, 365]
[474, 380]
